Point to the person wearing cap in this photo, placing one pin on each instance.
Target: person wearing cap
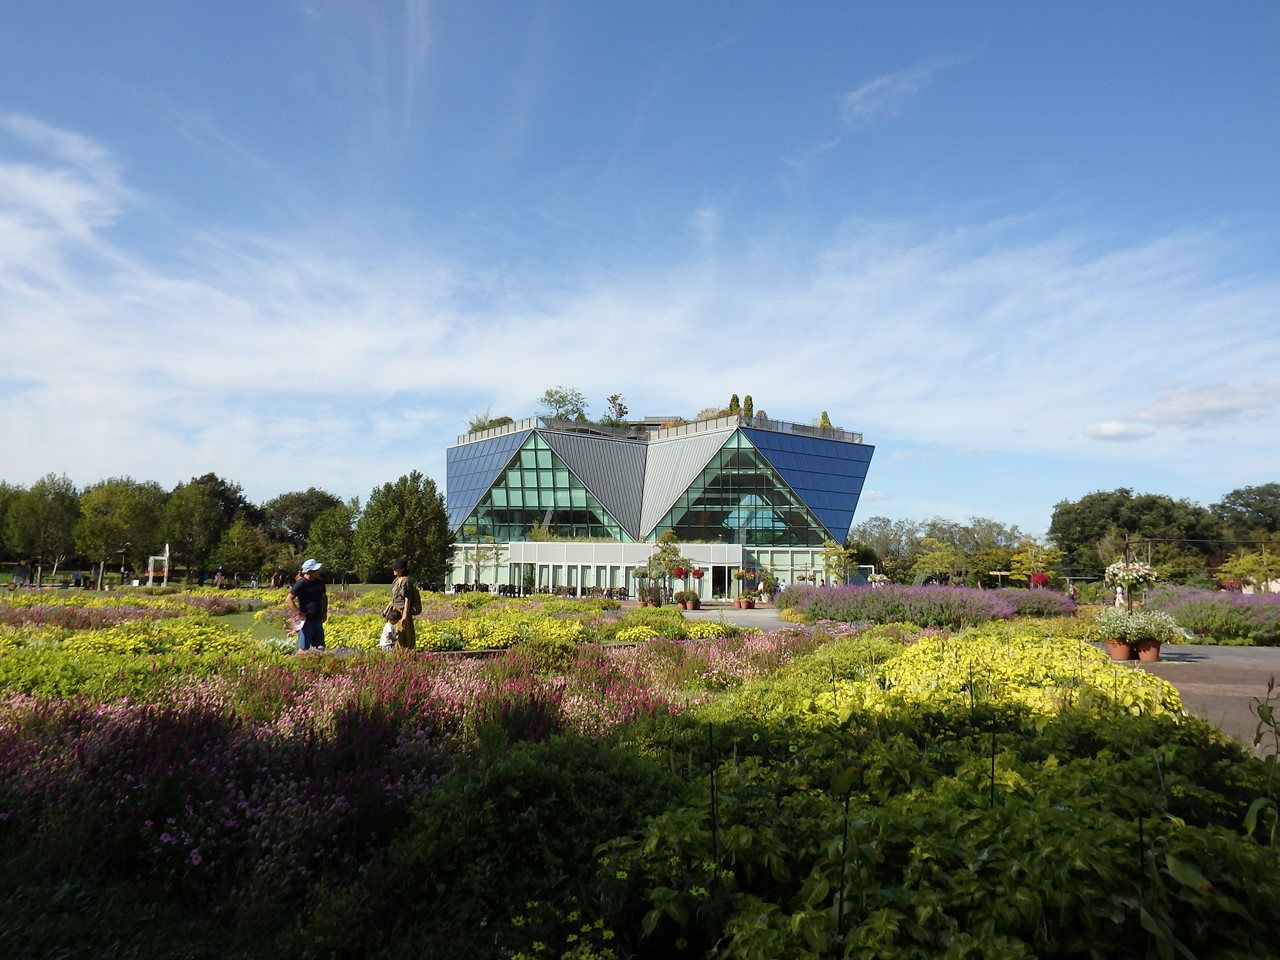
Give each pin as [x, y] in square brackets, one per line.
[307, 596]
[403, 592]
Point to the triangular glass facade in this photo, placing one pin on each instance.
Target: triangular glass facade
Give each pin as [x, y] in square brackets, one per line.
[537, 487]
[471, 467]
[827, 476]
[740, 498]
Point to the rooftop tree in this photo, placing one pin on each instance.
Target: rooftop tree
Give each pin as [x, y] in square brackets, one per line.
[564, 403]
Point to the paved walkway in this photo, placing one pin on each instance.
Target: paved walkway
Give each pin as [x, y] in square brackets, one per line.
[1219, 684]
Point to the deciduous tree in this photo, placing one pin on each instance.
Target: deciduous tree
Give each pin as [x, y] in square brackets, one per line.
[838, 561]
[1033, 557]
[1250, 510]
[41, 521]
[192, 524]
[288, 517]
[937, 559]
[120, 518]
[405, 519]
[1092, 531]
[332, 539]
[230, 500]
[8, 493]
[243, 548]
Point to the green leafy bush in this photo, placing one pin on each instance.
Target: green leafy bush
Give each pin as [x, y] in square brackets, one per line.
[511, 828]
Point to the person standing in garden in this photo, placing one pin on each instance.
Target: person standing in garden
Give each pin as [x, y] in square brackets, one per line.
[307, 596]
[406, 600]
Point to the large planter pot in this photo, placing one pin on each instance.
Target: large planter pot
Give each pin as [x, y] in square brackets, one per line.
[693, 604]
[1148, 650]
[1118, 649]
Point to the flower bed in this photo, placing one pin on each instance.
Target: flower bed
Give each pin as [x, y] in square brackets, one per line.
[823, 790]
[1216, 616]
[1038, 602]
[934, 606]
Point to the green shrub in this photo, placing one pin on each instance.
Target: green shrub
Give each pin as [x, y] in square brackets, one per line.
[512, 828]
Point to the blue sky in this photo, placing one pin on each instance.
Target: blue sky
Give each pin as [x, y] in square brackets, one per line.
[1028, 250]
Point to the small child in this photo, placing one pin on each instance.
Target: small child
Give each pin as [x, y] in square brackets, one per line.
[388, 641]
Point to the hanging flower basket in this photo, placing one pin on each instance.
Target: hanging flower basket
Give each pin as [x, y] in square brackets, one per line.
[679, 572]
[1129, 575]
[697, 573]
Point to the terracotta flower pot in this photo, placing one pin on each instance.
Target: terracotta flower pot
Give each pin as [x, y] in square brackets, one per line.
[1119, 650]
[1148, 650]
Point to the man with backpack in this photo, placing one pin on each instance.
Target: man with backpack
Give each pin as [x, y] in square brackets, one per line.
[406, 599]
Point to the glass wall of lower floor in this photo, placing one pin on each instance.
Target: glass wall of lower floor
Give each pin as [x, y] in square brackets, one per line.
[592, 569]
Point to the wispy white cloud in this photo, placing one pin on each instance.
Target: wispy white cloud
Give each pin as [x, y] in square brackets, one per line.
[884, 97]
[284, 361]
[40, 204]
[1113, 431]
[1206, 404]
[936, 451]
[374, 60]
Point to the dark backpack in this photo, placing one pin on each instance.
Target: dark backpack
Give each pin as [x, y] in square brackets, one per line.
[414, 597]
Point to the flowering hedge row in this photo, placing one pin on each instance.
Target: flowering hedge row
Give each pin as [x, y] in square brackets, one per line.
[1038, 603]
[1218, 616]
[933, 606]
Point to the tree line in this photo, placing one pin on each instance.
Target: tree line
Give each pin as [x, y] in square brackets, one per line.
[1236, 539]
[118, 524]
[209, 524]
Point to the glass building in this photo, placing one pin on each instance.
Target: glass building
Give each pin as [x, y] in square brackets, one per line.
[548, 504]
